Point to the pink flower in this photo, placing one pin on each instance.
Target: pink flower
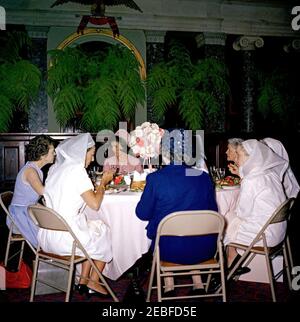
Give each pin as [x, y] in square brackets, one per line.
[140, 142]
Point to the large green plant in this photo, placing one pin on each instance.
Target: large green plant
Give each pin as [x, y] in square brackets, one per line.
[103, 87]
[192, 88]
[278, 98]
[19, 79]
[276, 94]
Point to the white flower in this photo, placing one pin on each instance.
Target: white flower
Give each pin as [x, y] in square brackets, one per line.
[145, 140]
[145, 124]
[155, 131]
[139, 132]
[154, 126]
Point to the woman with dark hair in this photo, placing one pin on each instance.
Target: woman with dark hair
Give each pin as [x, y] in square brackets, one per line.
[29, 185]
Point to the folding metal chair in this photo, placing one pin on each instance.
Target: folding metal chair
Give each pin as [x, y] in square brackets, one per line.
[189, 223]
[282, 213]
[47, 218]
[5, 201]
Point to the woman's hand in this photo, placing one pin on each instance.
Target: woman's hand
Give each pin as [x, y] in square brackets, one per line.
[234, 169]
[107, 177]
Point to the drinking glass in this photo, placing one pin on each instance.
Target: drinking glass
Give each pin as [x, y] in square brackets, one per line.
[222, 173]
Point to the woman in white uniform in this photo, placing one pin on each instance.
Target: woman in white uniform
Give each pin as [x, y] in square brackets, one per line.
[290, 182]
[261, 171]
[68, 190]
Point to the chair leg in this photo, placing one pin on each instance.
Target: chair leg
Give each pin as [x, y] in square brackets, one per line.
[7, 248]
[158, 281]
[151, 280]
[289, 250]
[34, 276]
[286, 264]
[271, 279]
[223, 280]
[70, 280]
[21, 253]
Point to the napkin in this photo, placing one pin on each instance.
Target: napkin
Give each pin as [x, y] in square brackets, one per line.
[139, 176]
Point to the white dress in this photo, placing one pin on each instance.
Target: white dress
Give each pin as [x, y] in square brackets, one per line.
[63, 194]
[260, 195]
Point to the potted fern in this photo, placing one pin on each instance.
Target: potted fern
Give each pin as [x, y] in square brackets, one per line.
[19, 78]
[277, 98]
[99, 89]
[192, 89]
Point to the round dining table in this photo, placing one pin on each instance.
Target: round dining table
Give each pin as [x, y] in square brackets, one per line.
[128, 232]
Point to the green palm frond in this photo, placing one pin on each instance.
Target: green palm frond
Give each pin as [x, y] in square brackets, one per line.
[191, 108]
[129, 96]
[66, 103]
[109, 84]
[19, 78]
[101, 109]
[159, 77]
[65, 68]
[163, 98]
[192, 88]
[272, 95]
[27, 79]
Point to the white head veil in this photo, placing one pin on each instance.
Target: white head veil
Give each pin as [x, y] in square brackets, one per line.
[261, 160]
[72, 151]
[290, 182]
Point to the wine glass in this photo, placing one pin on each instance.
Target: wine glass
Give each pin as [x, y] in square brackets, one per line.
[222, 173]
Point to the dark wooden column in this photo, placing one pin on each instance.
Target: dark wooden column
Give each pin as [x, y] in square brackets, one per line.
[38, 110]
[247, 46]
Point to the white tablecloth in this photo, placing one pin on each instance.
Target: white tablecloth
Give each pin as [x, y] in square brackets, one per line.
[227, 199]
[129, 240]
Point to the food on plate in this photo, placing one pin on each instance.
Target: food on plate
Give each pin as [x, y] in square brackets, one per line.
[137, 185]
[228, 181]
[119, 180]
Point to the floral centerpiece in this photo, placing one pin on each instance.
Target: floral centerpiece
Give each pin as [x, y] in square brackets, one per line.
[145, 141]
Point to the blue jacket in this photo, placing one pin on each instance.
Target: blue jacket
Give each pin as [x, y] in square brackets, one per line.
[172, 189]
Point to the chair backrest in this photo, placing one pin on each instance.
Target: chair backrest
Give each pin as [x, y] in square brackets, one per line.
[282, 213]
[48, 218]
[5, 201]
[191, 223]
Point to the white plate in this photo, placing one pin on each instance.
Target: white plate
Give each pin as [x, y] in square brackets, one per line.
[237, 186]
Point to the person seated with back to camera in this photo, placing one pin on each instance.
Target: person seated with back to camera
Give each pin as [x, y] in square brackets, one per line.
[178, 187]
[29, 186]
[231, 153]
[290, 183]
[68, 189]
[121, 161]
[261, 192]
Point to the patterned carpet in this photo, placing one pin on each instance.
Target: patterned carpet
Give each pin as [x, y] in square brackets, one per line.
[239, 291]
